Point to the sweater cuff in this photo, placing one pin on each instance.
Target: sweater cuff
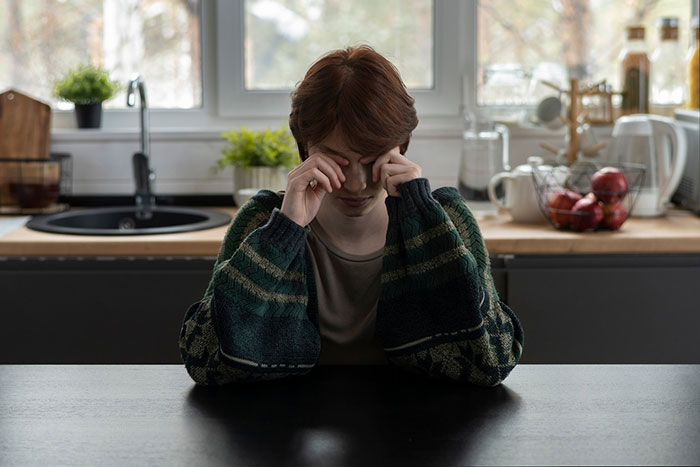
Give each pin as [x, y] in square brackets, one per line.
[415, 198]
[283, 232]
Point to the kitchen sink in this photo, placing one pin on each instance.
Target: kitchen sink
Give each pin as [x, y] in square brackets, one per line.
[129, 220]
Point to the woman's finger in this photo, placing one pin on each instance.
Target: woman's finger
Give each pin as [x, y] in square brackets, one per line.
[320, 178]
[301, 180]
[394, 181]
[332, 170]
[377, 166]
[393, 155]
[331, 163]
[308, 175]
[388, 170]
[338, 159]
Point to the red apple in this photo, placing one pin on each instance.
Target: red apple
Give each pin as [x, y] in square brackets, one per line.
[609, 185]
[586, 214]
[559, 206]
[613, 216]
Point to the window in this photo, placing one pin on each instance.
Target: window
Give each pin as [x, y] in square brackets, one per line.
[218, 63]
[521, 43]
[283, 37]
[269, 44]
[158, 39]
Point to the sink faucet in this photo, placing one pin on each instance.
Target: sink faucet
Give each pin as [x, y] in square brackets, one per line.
[143, 175]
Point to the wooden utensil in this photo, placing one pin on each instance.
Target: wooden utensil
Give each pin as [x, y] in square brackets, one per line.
[25, 126]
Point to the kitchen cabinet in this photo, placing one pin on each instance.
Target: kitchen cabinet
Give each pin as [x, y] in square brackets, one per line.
[97, 310]
[607, 308]
[574, 308]
[102, 310]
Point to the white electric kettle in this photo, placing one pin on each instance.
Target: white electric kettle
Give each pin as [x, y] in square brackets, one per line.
[643, 139]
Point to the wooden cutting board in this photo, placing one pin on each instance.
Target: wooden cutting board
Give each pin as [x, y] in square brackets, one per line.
[25, 127]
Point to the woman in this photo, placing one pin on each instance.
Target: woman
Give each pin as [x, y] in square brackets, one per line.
[357, 261]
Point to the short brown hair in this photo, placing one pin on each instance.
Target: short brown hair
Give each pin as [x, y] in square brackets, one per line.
[361, 93]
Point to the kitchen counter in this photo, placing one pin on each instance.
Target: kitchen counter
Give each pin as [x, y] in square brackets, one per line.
[354, 415]
[678, 232]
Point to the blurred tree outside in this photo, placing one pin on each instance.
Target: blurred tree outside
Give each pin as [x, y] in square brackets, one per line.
[558, 39]
[518, 43]
[158, 39]
[284, 37]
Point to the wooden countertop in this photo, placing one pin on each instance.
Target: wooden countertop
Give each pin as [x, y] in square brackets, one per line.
[678, 232]
[350, 415]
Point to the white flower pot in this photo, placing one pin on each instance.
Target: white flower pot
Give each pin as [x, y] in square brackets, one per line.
[269, 178]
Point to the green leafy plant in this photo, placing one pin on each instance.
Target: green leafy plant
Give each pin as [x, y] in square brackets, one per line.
[267, 148]
[86, 85]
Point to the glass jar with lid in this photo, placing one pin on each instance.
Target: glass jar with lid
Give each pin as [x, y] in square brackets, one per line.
[484, 153]
[667, 70]
[634, 66]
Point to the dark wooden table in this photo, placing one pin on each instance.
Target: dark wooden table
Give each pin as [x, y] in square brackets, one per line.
[127, 415]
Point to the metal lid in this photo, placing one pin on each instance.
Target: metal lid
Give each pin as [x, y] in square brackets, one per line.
[668, 28]
[667, 22]
[635, 32]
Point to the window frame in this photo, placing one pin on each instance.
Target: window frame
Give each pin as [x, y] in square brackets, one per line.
[225, 103]
[235, 101]
[162, 119]
[439, 110]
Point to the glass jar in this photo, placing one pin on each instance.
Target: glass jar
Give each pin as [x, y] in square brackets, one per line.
[28, 184]
[667, 69]
[484, 154]
[634, 66]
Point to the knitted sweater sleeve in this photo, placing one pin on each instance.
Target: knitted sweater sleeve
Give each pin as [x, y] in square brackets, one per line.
[252, 323]
[439, 313]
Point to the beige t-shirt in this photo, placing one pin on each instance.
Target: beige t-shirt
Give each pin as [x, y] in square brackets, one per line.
[348, 290]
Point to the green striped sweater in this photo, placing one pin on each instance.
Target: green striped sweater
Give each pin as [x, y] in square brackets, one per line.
[438, 313]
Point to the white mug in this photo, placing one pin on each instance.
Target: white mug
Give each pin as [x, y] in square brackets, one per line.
[646, 204]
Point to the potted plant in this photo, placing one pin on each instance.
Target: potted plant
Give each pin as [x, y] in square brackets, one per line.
[260, 159]
[86, 87]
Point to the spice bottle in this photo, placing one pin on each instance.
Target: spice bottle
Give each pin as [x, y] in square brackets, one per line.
[634, 64]
[667, 80]
[693, 68]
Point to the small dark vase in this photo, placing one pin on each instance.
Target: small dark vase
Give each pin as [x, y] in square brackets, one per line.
[89, 115]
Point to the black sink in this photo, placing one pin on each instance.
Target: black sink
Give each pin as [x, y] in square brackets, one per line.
[124, 220]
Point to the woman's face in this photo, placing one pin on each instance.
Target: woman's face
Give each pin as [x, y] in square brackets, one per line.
[358, 195]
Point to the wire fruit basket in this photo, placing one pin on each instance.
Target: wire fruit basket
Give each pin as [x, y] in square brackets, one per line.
[588, 196]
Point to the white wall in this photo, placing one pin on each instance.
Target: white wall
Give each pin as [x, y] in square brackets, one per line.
[182, 160]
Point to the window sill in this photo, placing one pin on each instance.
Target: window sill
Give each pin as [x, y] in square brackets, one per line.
[66, 135]
[451, 131]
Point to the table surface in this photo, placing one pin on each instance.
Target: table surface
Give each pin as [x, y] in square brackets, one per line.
[542, 414]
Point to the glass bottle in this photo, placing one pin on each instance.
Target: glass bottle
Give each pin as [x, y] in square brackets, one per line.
[693, 67]
[634, 65]
[667, 69]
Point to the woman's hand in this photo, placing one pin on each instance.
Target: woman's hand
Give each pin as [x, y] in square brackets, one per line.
[393, 169]
[309, 182]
